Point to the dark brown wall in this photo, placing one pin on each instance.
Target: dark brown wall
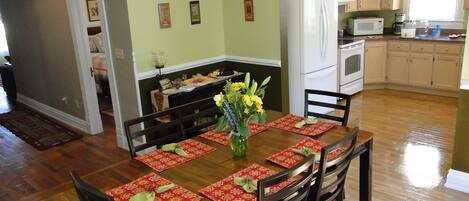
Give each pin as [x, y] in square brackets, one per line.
[272, 100]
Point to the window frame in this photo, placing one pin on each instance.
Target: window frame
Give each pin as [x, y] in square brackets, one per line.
[446, 24]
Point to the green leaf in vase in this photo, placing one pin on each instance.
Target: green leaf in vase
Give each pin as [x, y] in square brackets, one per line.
[266, 81]
[143, 196]
[263, 117]
[300, 124]
[162, 189]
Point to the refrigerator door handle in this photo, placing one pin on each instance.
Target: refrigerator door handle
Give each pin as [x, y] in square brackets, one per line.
[326, 23]
[323, 31]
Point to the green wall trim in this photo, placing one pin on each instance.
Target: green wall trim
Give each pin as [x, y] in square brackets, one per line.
[461, 139]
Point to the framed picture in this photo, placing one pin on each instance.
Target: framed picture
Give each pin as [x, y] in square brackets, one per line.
[194, 7]
[93, 11]
[249, 10]
[165, 15]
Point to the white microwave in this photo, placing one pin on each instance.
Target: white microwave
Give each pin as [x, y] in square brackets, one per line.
[365, 26]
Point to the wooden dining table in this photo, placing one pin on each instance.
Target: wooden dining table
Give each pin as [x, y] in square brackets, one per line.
[215, 166]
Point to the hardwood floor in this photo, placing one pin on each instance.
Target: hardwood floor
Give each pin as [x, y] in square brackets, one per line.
[412, 153]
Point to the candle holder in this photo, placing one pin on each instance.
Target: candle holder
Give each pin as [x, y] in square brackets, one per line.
[160, 61]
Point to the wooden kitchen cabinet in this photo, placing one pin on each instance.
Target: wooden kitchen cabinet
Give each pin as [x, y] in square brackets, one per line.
[375, 61]
[368, 5]
[420, 70]
[447, 72]
[351, 6]
[466, 4]
[398, 67]
[391, 4]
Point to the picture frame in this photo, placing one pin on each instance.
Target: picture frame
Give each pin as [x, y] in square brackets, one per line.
[93, 10]
[165, 15]
[194, 8]
[249, 10]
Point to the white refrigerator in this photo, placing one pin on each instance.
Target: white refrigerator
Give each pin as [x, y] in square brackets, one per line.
[312, 51]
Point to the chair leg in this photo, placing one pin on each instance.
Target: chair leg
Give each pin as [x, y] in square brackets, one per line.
[341, 197]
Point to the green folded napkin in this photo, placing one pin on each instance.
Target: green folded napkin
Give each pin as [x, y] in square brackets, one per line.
[307, 151]
[175, 148]
[151, 195]
[311, 120]
[248, 184]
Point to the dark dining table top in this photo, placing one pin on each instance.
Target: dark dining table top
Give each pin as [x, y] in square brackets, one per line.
[215, 166]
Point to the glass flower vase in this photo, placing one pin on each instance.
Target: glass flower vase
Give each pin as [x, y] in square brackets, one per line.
[239, 141]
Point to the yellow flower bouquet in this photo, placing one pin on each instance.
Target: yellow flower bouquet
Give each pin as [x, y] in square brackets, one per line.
[241, 103]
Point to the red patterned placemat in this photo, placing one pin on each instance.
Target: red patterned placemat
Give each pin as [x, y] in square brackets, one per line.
[288, 158]
[160, 160]
[226, 189]
[222, 137]
[288, 123]
[151, 182]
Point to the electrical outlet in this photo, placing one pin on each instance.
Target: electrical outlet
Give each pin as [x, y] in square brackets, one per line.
[65, 100]
[119, 53]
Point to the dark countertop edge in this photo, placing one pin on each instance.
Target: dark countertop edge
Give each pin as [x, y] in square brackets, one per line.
[395, 37]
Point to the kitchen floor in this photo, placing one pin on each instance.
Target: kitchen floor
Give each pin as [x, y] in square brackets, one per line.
[413, 143]
[412, 152]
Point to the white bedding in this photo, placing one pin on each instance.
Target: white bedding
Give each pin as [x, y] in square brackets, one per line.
[98, 60]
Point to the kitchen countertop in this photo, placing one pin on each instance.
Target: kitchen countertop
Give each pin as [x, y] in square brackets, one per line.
[396, 37]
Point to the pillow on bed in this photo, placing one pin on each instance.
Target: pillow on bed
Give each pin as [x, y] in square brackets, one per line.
[93, 47]
[98, 40]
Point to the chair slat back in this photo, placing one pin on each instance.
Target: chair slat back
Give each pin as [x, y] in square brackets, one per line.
[86, 192]
[297, 190]
[346, 108]
[179, 123]
[330, 177]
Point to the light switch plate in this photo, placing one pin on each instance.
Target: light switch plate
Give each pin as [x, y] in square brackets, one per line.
[119, 53]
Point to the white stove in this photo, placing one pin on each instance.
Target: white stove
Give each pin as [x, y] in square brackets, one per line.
[351, 64]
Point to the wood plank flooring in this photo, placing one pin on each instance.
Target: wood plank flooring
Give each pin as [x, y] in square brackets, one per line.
[412, 153]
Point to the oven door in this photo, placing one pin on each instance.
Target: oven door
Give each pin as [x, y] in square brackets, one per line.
[351, 63]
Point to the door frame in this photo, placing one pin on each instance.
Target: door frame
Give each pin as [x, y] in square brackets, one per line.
[78, 23]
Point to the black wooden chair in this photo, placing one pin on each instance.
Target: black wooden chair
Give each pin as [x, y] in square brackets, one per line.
[86, 192]
[180, 123]
[345, 108]
[330, 177]
[295, 191]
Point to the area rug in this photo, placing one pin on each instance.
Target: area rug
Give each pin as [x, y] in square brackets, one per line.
[36, 129]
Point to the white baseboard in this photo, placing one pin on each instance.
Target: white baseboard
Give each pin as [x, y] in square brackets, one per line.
[208, 61]
[56, 114]
[457, 180]
[255, 61]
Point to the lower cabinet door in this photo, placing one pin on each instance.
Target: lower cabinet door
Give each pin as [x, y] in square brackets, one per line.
[375, 62]
[398, 68]
[447, 72]
[421, 70]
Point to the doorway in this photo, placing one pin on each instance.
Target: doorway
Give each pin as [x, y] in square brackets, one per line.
[97, 78]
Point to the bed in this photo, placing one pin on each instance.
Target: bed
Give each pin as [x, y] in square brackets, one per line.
[98, 61]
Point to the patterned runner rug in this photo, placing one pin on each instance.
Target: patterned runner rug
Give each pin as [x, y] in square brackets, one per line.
[36, 129]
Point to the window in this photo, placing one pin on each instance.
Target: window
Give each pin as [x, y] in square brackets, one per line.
[3, 43]
[447, 13]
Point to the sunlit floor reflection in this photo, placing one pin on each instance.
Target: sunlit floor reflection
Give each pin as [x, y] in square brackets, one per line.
[421, 165]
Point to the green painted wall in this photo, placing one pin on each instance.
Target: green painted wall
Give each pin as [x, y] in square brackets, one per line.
[223, 31]
[182, 42]
[258, 39]
[461, 150]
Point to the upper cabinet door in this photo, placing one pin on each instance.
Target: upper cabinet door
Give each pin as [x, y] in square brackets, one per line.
[369, 5]
[391, 4]
[351, 6]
